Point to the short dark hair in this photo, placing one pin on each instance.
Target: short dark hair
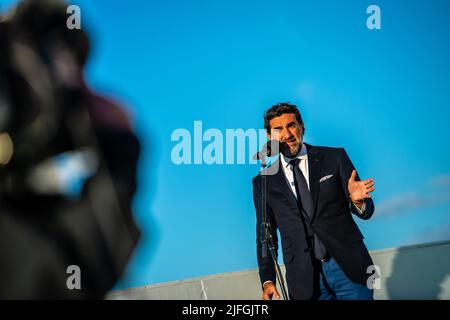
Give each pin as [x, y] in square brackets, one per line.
[279, 109]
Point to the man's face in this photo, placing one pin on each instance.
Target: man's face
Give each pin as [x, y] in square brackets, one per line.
[286, 128]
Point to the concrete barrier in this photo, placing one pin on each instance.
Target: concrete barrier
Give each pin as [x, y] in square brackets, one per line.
[411, 272]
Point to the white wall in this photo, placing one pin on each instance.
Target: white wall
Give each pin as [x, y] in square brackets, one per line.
[411, 272]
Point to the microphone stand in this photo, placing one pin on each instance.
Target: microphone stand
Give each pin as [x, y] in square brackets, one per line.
[266, 235]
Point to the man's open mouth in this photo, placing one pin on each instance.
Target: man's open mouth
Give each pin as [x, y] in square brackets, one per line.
[291, 143]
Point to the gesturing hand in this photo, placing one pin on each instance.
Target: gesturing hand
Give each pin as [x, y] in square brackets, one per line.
[359, 190]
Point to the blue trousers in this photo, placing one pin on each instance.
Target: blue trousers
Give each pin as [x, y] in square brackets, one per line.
[334, 284]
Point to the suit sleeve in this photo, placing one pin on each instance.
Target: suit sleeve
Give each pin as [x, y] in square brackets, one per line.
[345, 170]
[266, 265]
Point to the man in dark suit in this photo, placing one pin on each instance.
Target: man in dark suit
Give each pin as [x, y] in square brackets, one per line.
[310, 200]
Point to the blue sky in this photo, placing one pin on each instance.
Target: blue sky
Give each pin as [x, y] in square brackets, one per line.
[383, 95]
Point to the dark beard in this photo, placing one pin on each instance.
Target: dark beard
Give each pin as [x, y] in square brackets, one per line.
[290, 152]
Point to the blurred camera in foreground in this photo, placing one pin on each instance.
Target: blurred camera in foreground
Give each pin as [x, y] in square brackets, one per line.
[68, 161]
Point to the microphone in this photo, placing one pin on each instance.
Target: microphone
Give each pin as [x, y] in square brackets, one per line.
[271, 148]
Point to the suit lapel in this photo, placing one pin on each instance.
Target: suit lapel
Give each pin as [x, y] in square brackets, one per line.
[279, 182]
[314, 166]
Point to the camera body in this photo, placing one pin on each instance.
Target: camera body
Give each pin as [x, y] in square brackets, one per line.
[47, 113]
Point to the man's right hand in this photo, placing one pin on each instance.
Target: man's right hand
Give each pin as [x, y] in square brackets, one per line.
[269, 291]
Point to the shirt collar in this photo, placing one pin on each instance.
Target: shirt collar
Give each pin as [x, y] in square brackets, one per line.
[302, 155]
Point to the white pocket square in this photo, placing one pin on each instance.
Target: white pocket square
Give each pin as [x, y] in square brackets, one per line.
[325, 178]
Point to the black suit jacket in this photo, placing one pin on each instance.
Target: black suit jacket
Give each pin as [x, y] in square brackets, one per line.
[331, 219]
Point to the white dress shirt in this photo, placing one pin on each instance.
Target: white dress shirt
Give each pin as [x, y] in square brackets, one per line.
[303, 164]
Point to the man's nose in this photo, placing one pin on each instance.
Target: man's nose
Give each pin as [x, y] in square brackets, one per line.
[286, 135]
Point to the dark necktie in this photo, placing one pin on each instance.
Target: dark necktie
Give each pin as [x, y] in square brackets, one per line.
[303, 194]
[305, 201]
